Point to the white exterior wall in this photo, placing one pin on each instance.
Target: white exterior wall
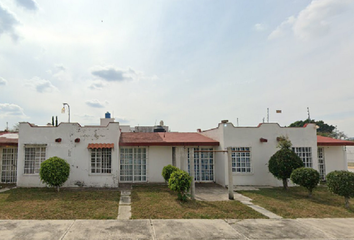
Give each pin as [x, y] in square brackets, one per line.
[76, 154]
[260, 152]
[158, 158]
[350, 154]
[335, 158]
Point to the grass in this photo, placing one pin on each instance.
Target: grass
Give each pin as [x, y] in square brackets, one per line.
[46, 203]
[294, 202]
[159, 202]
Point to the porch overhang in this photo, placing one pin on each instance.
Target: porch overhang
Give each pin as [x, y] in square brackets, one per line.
[327, 141]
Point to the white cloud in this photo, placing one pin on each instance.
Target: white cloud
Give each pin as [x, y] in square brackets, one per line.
[9, 109]
[8, 23]
[260, 27]
[97, 85]
[41, 85]
[112, 74]
[3, 81]
[60, 67]
[313, 21]
[95, 103]
[282, 28]
[27, 4]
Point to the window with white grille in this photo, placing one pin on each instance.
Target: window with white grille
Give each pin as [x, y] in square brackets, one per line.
[133, 164]
[321, 163]
[305, 154]
[9, 165]
[203, 164]
[241, 159]
[101, 160]
[34, 156]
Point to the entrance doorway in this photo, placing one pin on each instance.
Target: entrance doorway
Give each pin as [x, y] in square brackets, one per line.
[203, 164]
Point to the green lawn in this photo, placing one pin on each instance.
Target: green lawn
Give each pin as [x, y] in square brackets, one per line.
[294, 203]
[46, 203]
[159, 202]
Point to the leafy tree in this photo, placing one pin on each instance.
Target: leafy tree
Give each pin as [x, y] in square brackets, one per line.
[284, 161]
[167, 171]
[54, 172]
[324, 128]
[342, 184]
[180, 182]
[306, 177]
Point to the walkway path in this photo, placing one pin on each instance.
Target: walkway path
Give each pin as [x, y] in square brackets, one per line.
[124, 208]
[214, 192]
[334, 228]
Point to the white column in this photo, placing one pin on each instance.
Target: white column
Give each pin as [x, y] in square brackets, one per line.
[191, 159]
[229, 170]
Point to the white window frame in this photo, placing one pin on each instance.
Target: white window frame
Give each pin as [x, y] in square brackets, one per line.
[101, 161]
[241, 153]
[131, 164]
[33, 159]
[199, 157]
[305, 153]
[321, 163]
[9, 165]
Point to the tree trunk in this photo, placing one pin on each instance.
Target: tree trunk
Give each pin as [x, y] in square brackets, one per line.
[310, 193]
[285, 183]
[57, 188]
[346, 202]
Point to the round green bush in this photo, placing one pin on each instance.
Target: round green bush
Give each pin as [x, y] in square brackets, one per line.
[306, 177]
[180, 182]
[283, 163]
[54, 172]
[167, 171]
[342, 184]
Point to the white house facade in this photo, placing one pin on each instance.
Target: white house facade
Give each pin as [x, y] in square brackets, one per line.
[109, 154]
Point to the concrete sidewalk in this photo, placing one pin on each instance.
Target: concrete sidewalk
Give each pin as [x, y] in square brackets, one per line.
[330, 228]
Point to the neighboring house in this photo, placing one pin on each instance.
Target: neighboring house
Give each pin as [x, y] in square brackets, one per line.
[8, 156]
[109, 154]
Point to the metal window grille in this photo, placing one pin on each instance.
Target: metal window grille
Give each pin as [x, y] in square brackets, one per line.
[321, 163]
[241, 159]
[305, 154]
[133, 164]
[9, 165]
[34, 156]
[101, 160]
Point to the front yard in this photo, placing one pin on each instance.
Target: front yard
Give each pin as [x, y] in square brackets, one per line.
[159, 202]
[294, 202]
[46, 203]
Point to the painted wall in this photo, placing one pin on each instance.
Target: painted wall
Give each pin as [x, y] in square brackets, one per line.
[260, 152]
[76, 154]
[350, 154]
[158, 158]
[335, 158]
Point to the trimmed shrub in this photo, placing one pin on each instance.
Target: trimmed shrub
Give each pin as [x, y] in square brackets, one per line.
[167, 171]
[180, 182]
[284, 161]
[342, 184]
[54, 172]
[306, 177]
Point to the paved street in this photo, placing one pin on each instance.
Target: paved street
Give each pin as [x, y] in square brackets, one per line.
[339, 228]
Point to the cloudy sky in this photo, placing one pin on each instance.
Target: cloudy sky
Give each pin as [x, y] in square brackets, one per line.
[189, 63]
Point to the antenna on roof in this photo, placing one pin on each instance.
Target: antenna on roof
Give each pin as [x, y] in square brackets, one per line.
[308, 113]
[267, 115]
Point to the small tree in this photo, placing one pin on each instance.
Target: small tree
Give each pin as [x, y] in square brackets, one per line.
[342, 184]
[180, 182]
[306, 177]
[54, 172]
[167, 171]
[284, 161]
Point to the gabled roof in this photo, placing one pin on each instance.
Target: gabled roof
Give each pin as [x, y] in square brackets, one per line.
[327, 141]
[8, 138]
[165, 139]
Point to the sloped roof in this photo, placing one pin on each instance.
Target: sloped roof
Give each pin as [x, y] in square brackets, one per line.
[100, 145]
[165, 139]
[8, 138]
[327, 141]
